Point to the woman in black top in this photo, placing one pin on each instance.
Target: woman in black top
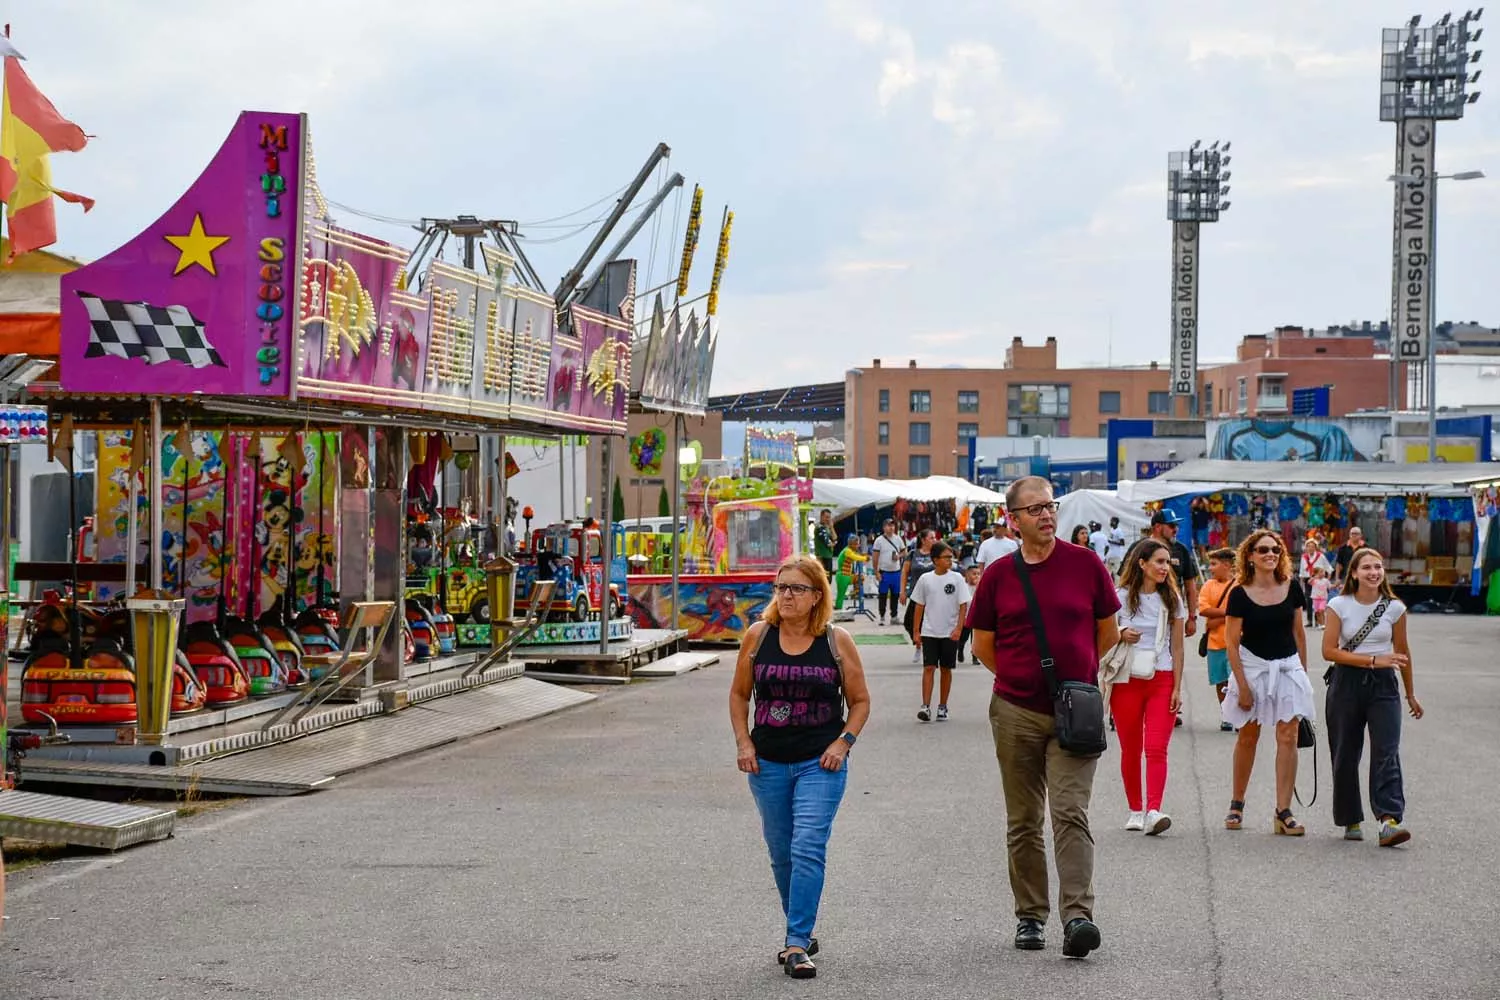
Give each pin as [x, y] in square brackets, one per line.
[801, 673]
[1268, 683]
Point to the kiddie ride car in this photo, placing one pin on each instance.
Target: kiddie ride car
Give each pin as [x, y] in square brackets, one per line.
[573, 559]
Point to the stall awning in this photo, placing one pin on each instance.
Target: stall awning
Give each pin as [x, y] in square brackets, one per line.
[1344, 478]
[851, 494]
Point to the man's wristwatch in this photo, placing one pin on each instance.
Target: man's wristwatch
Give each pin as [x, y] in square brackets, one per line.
[848, 738]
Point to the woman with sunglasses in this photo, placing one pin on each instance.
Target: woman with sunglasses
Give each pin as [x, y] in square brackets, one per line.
[1268, 686]
[1365, 643]
[800, 673]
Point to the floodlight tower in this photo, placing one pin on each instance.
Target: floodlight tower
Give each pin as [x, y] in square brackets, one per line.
[1197, 192]
[1425, 77]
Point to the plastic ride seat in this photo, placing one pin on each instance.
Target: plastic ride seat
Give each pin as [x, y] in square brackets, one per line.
[318, 636]
[446, 631]
[216, 665]
[188, 695]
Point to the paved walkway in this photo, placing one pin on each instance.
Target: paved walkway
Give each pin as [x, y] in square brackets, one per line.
[612, 851]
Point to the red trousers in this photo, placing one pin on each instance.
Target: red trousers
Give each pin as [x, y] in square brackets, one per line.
[1142, 711]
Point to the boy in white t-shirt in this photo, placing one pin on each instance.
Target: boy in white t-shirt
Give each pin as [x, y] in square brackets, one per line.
[941, 599]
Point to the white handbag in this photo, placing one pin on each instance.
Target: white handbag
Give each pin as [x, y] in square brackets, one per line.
[1143, 661]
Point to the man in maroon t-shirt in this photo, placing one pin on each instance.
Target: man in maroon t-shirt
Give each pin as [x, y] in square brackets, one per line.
[1078, 605]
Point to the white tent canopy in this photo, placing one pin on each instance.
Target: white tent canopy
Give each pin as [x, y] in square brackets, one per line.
[846, 495]
[1377, 479]
[1083, 506]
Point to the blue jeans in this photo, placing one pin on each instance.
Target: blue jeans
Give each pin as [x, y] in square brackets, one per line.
[797, 803]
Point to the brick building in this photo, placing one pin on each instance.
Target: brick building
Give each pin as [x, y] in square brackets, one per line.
[909, 422]
[1269, 367]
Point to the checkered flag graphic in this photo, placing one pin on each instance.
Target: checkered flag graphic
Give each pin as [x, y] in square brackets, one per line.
[156, 334]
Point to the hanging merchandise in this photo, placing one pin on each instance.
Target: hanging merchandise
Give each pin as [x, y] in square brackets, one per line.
[1416, 505]
[1291, 508]
[1395, 509]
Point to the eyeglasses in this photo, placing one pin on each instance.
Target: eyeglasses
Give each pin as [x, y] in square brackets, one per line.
[1036, 509]
[1267, 550]
[795, 589]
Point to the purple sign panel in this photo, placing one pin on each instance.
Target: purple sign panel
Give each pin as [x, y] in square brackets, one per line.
[591, 370]
[363, 335]
[202, 300]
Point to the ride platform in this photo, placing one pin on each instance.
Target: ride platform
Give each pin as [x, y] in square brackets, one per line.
[246, 756]
[550, 633]
[584, 663]
[59, 819]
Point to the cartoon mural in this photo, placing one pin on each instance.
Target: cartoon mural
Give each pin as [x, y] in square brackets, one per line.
[714, 609]
[1253, 439]
[192, 514]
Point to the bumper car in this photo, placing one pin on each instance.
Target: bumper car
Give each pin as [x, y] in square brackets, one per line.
[288, 647]
[187, 694]
[258, 656]
[316, 635]
[423, 632]
[215, 664]
[100, 692]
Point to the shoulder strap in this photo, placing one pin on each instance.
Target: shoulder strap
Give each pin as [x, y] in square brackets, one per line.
[1036, 622]
[1369, 625]
[1224, 594]
[760, 641]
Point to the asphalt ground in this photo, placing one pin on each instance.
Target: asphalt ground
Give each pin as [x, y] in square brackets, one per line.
[614, 851]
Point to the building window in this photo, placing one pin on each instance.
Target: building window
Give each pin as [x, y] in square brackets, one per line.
[968, 401]
[885, 401]
[919, 466]
[921, 401]
[883, 466]
[1158, 403]
[1104, 430]
[1244, 400]
[1206, 400]
[883, 432]
[1037, 400]
[1109, 402]
[966, 433]
[1037, 426]
[919, 433]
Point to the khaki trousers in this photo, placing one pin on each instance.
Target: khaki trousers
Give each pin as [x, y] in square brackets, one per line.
[1036, 773]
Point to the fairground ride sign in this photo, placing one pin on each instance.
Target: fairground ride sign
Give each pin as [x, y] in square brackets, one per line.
[1184, 308]
[1411, 277]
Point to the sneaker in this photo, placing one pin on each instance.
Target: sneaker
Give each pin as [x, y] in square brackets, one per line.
[1080, 937]
[924, 714]
[916, 654]
[1225, 727]
[1157, 822]
[1136, 823]
[1353, 832]
[974, 660]
[942, 715]
[1392, 833]
[880, 621]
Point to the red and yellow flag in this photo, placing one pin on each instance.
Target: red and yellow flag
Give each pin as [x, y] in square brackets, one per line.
[30, 130]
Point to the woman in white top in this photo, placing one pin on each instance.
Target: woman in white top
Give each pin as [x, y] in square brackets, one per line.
[1144, 702]
[1365, 642]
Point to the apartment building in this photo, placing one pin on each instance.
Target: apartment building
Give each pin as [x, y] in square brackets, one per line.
[1268, 368]
[907, 422]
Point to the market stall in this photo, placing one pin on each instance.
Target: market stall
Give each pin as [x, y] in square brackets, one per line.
[1420, 516]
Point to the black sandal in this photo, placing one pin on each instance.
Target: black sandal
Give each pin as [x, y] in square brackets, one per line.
[799, 966]
[1236, 817]
[812, 949]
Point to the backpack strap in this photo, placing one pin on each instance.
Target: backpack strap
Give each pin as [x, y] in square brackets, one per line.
[760, 640]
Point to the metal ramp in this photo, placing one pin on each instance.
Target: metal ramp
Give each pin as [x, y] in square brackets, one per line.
[312, 762]
[57, 819]
[676, 665]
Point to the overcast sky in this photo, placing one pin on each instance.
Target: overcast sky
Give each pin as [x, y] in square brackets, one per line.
[909, 180]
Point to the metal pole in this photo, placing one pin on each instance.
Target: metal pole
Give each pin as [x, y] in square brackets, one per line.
[1432, 453]
[676, 533]
[607, 539]
[674, 182]
[562, 486]
[498, 514]
[154, 460]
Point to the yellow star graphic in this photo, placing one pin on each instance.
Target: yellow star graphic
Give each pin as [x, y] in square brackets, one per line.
[197, 247]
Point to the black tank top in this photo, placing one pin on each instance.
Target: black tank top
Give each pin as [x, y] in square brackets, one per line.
[799, 702]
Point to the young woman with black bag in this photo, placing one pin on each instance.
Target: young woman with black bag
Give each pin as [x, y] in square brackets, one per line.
[1365, 645]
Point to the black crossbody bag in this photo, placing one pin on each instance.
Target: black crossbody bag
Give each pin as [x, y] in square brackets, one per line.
[1077, 708]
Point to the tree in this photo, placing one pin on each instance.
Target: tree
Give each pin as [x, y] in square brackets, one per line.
[664, 504]
[617, 503]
